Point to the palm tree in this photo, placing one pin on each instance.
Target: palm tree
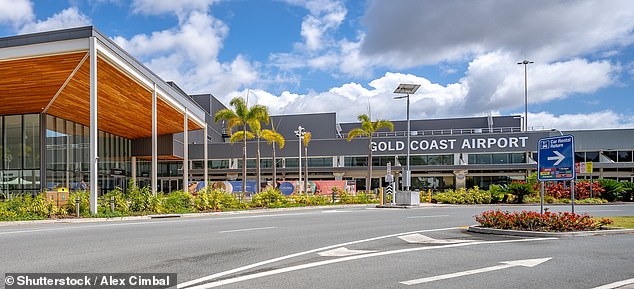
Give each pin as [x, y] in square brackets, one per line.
[273, 137]
[307, 137]
[366, 130]
[243, 116]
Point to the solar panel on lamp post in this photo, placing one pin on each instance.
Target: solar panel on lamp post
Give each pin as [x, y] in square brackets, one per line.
[407, 89]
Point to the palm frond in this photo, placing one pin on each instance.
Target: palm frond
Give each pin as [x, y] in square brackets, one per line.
[357, 132]
[239, 136]
[307, 138]
[379, 124]
[273, 137]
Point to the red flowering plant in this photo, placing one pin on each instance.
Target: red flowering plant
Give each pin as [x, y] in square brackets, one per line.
[533, 221]
[582, 190]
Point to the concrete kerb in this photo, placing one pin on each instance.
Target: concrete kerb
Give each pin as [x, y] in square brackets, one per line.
[534, 234]
[187, 215]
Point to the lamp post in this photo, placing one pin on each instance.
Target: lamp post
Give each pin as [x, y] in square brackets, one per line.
[407, 89]
[300, 132]
[526, 63]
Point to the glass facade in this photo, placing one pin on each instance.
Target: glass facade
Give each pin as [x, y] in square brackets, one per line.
[495, 159]
[624, 156]
[20, 148]
[68, 152]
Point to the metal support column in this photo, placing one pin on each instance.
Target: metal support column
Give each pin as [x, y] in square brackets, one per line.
[133, 168]
[154, 146]
[205, 156]
[185, 153]
[94, 158]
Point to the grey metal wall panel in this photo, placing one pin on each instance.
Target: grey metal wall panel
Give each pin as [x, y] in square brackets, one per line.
[603, 139]
[490, 143]
[320, 125]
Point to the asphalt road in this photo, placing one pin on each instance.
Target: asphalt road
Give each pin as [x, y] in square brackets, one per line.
[339, 247]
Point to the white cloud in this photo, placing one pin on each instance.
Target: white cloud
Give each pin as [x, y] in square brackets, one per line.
[409, 33]
[178, 7]
[20, 12]
[67, 18]
[325, 15]
[188, 54]
[495, 82]
[606, 119]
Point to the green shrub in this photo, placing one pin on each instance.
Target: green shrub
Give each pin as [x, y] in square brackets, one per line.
[177, 202]
[121, 204]
[628, 191]
[84, 203]
[520, 190]
[216, 200]
[142, 200]
[269, 198]
[344, 197]
[27, 207]
[613, 189]
[364, 198]
[591, 201]
[463, 196]
[497, 193]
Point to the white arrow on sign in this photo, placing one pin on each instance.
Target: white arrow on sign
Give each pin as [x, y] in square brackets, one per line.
[559, 157]
[507, 264]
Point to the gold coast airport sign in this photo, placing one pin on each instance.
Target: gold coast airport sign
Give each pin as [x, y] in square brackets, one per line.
[462, 143]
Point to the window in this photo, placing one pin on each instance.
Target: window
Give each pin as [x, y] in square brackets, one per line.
[352, 161]
[592, 156]
[624, 156]
[13, 142]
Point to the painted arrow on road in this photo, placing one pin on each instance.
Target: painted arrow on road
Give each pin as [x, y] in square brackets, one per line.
[559, 157]
[507, 264]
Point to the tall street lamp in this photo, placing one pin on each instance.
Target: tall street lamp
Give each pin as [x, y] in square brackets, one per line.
[407, 89]
[300, 132]
[525, 62]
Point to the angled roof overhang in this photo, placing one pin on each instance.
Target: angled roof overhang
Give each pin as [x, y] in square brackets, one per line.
[50, 73]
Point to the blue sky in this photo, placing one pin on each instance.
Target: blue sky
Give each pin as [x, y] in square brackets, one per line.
[308, 56]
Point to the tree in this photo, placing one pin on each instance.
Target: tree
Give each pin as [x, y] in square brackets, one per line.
[306, 141]
[243, 117]
[273, 137]
[366, 130]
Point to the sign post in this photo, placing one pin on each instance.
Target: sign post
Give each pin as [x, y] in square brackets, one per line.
[557, 163]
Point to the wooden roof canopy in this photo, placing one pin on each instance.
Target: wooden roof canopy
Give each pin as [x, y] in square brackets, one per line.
[61, 83]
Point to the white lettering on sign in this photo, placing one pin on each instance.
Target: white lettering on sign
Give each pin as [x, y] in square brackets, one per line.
[450, 144]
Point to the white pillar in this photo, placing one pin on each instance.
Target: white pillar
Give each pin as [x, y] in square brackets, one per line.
[94, 158]
[185, 153]
[134, 170]
[154, 146]
[205, 157]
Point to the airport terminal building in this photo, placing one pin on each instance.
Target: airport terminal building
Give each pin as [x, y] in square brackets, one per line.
[75, 108]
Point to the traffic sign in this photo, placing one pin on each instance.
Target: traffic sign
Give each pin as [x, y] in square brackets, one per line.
[556, 158]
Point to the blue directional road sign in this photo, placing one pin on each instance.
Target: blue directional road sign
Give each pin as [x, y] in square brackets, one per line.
[556, 158]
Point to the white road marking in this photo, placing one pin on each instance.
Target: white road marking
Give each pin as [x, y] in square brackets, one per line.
[616, 284]
[422, 239]
[335, 211]
[349, 258]
[508, 264]
[343, 252]
[265, 262]
[247, 229]
[602, 211]
[431, 216]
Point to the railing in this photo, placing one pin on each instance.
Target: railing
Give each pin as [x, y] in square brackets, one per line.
[443, 132]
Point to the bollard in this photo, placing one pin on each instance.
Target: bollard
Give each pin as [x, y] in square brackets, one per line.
[77, 202]
[112, 204]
